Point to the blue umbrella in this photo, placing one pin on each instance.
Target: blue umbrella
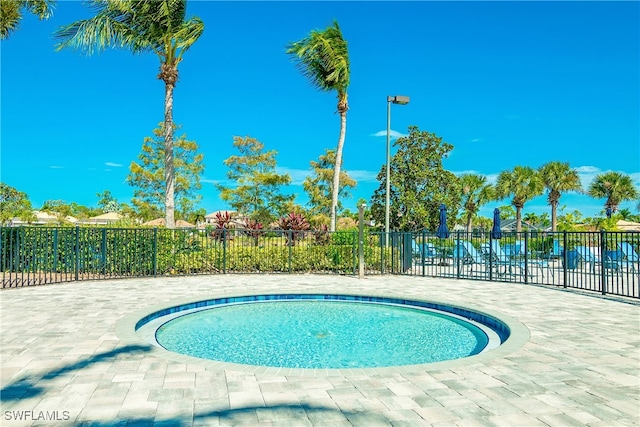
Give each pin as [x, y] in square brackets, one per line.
[496, 232]
[442, 232]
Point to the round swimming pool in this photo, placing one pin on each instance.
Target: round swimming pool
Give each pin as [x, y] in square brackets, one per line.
[322, 331]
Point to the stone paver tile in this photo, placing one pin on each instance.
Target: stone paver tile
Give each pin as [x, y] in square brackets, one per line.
[242, 399]
[290, 413]
[435, 414]
[406, 415]
[532, 406]
[517, 420]
[280, 398]
[399, 402]
[368, 419]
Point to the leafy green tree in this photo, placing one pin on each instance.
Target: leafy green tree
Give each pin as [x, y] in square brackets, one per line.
[558, 177]
[419, 184]
[147, 176]
[615, 187]
[107, 202]
[14, 204]
[570, 221]
[63, 209]
[11, 13]
[523, 184]
[158, 26]
[540, 221]
[256, 192]
[323, 58]
[482, 222]
[318, 185]
[475, 193]
[506, 212]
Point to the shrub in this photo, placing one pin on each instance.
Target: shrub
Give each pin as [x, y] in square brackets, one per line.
[295, 224]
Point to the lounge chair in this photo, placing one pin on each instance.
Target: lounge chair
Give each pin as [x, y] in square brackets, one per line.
[586, 255]
[515, 259]
[630, 257]
[424, 252]
[468, 254]
[556, 250]
[498, 257]
[429, 252]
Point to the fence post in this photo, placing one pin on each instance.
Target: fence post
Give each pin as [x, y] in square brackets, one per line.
[55, 250]
[361, 241]
[457, 254]
[603, 272]
[422, 250]
[103, 249]
[77, 267]
[383, 249]
[491, 258]
[290, 244]
[565, 273]
[224, 250]
[155, 251]
[526, 257]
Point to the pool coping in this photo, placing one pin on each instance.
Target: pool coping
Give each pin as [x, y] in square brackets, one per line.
[519, 335]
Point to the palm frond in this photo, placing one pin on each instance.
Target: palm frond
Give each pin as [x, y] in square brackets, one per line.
[323, 58]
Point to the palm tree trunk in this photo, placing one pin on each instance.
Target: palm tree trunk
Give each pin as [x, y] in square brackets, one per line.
[469, 220]
[554, 219]
[169, 173]
[336, 170]
[518, 219]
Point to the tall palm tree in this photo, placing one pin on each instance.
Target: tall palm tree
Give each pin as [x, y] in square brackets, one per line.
[558, 177]
[523, 183]
[11, 12]
[615, 187]
[323, 58]
[158, 26]
[475, 192]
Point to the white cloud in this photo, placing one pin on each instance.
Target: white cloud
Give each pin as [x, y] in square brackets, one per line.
[393, 134]
[588, 173]
[56, 167]
[491, 177]
[113, 165]
[363, 175]
[476, 140]
[210, 181]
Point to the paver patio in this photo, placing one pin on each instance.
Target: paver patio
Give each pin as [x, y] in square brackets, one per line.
[64, 356]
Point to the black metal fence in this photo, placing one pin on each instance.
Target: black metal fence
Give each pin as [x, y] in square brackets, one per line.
[605, 262]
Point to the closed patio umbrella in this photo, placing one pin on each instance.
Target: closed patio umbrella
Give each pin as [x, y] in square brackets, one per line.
[442, 232]
[496, 232]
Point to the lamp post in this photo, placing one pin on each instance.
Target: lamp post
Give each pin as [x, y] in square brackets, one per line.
[402, 100]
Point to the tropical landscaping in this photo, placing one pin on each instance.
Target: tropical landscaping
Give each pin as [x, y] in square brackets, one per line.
[166, 175]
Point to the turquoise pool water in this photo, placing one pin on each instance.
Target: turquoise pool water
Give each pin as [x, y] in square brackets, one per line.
[321, 334]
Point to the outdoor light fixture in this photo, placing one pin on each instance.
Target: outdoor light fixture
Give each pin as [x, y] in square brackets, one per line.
[402, 100]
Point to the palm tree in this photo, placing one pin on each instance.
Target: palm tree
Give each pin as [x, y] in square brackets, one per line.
[476, 192]
[11, 12]
[323, 58]
[615, 187]
[557, 178]
[523, 183]
[158, 26]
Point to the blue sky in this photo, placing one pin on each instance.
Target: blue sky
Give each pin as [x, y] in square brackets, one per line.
[507, 83]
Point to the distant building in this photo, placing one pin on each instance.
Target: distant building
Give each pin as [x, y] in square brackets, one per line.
[104, 219]
[237, 219]
[42, 218]
[510, 225]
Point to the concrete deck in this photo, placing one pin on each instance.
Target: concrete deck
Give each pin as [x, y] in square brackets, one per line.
[67, 359]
